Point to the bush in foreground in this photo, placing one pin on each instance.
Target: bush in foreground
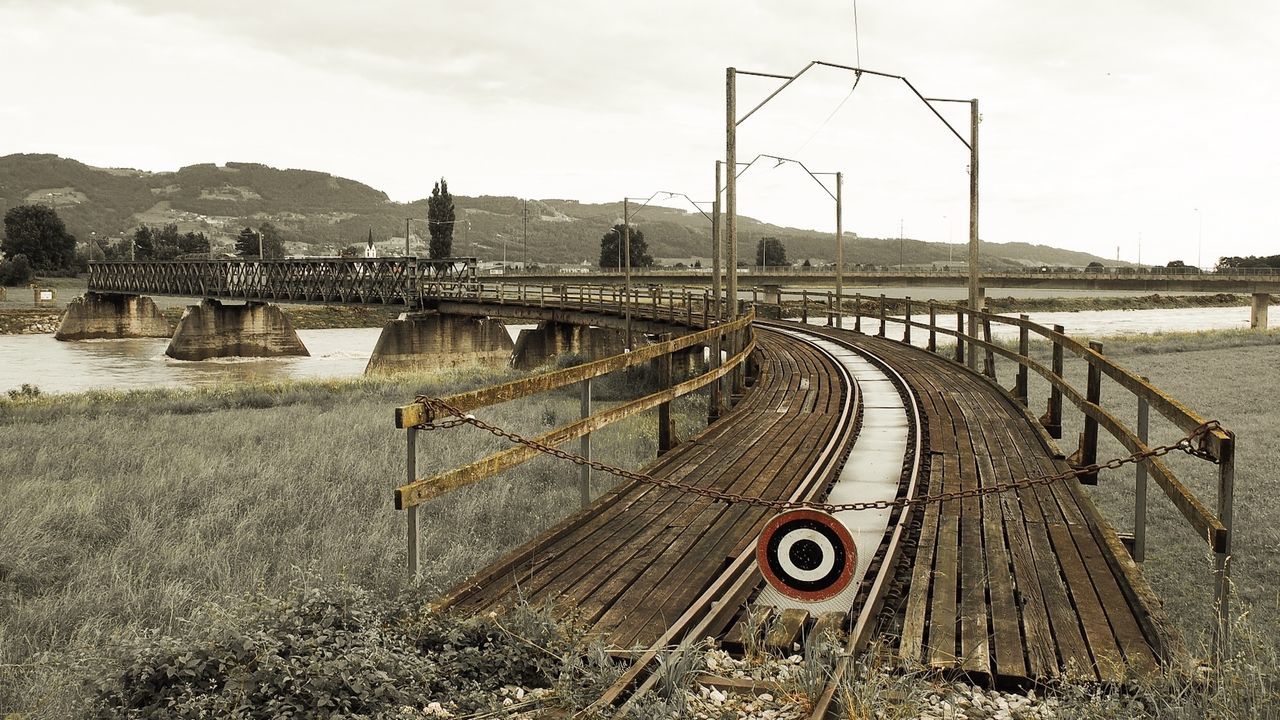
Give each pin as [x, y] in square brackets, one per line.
[332, 650]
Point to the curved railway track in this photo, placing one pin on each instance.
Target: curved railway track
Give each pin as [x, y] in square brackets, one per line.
[741, 584]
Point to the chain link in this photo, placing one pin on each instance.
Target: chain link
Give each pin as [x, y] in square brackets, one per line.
[436, 407]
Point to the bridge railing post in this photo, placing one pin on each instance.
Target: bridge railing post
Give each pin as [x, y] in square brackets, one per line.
[857, 312]
[880, 332]
[1140, 482]
[1052, 419]
[411, 515]
[1222, 558]
[831, 313]
[1089, 441]
[933, 327]
[665, 378]
[960, 333]
[584, 445]
[717, 387]
[989, 355]
[804, 306]
[1024, 350]
[906, 325]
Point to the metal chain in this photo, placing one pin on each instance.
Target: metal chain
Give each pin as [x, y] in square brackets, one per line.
[438, 408]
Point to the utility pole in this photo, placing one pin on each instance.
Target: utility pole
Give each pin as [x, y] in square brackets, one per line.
[406, 237]
[716, 268]
[899, 244]
[260, 255]
[626, 249]
[839, 250]
[975, 289]
[731, 187]
[525, 262]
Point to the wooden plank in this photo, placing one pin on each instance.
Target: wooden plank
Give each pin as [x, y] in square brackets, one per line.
[748, 630]
[1108, 661]
[785, 632]
[911, 646]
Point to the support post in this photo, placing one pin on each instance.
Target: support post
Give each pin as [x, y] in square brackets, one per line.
[831, 317]
[933, 327]
[906, 325]
[1024, 349]
[626, 249]
[975, 271]
[716, 269]
[1222, 559]
[717, 387]
[973, 332]
[857, 312]
[1089, 441]
[1140, 486]
[839, 247]
[1052, 419]
[665, 440]
[731, 186]
[960, 333]
[880, 332]
[584, 446]
[411, 514]
[989, 355]
[804, 306]
[1258, 311]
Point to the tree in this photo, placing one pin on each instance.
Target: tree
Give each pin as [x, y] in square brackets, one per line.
[144, 246]
[37, 232]
[770, 252]
[611, 245]
[247, 243]
[440, 220]
[15, 270]
[272, 241]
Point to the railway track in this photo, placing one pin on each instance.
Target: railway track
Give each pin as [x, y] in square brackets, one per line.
[733, 604]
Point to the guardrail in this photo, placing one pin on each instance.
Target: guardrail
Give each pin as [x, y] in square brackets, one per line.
[726, 376]
[1217, 445]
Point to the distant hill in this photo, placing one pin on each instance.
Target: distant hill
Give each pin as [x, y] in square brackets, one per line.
[319, 213]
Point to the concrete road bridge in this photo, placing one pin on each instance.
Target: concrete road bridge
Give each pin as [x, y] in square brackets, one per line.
[974, 546]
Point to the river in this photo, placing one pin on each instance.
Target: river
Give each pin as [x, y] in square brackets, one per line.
[65, 367]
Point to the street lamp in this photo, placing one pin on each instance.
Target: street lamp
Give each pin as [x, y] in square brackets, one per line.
[1199, 238]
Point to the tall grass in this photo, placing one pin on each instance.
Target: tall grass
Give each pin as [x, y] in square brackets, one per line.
[127, 510]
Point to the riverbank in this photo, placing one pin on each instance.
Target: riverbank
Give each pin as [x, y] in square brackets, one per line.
[35, 321]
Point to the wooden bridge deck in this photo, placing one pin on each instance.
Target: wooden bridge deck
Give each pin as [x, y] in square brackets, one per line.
[1028, 584]
[641, 555]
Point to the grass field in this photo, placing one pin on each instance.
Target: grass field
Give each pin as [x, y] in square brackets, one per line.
[131, 510]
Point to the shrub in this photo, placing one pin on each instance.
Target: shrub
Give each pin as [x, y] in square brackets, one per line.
[15, 271]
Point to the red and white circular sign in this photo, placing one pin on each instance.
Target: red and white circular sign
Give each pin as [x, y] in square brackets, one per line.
[807, 555]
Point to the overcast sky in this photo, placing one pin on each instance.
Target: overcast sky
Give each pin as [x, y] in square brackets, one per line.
[1103, 121]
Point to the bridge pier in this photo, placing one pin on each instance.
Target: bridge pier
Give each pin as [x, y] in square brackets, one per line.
[97, 315]
[552, 339]
[212, 330]
[427, 341]
[1258, 311]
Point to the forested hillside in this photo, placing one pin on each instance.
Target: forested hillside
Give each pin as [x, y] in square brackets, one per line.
[318, 214]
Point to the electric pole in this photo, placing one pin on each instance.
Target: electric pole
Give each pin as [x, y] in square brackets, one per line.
[839, 250]
[525, 262]
[716, 268]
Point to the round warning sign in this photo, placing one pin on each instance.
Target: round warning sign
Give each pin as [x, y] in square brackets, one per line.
[807, 555]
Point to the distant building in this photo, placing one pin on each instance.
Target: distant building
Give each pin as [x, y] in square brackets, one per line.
[370, 252]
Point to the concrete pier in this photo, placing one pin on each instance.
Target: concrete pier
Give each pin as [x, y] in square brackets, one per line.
[429, 341]
[1258, 311]
[554, 339]
[212, 330]
[97, 316]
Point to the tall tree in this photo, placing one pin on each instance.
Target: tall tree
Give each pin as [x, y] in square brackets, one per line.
[611, 246]
[272, 241]
[247, 243]
[770, 252]
[37, 232]
[440, 220]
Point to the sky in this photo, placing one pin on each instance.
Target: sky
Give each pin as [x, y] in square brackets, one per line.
[1145, 128]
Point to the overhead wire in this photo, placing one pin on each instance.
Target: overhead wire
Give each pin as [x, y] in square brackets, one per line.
[857, 50]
